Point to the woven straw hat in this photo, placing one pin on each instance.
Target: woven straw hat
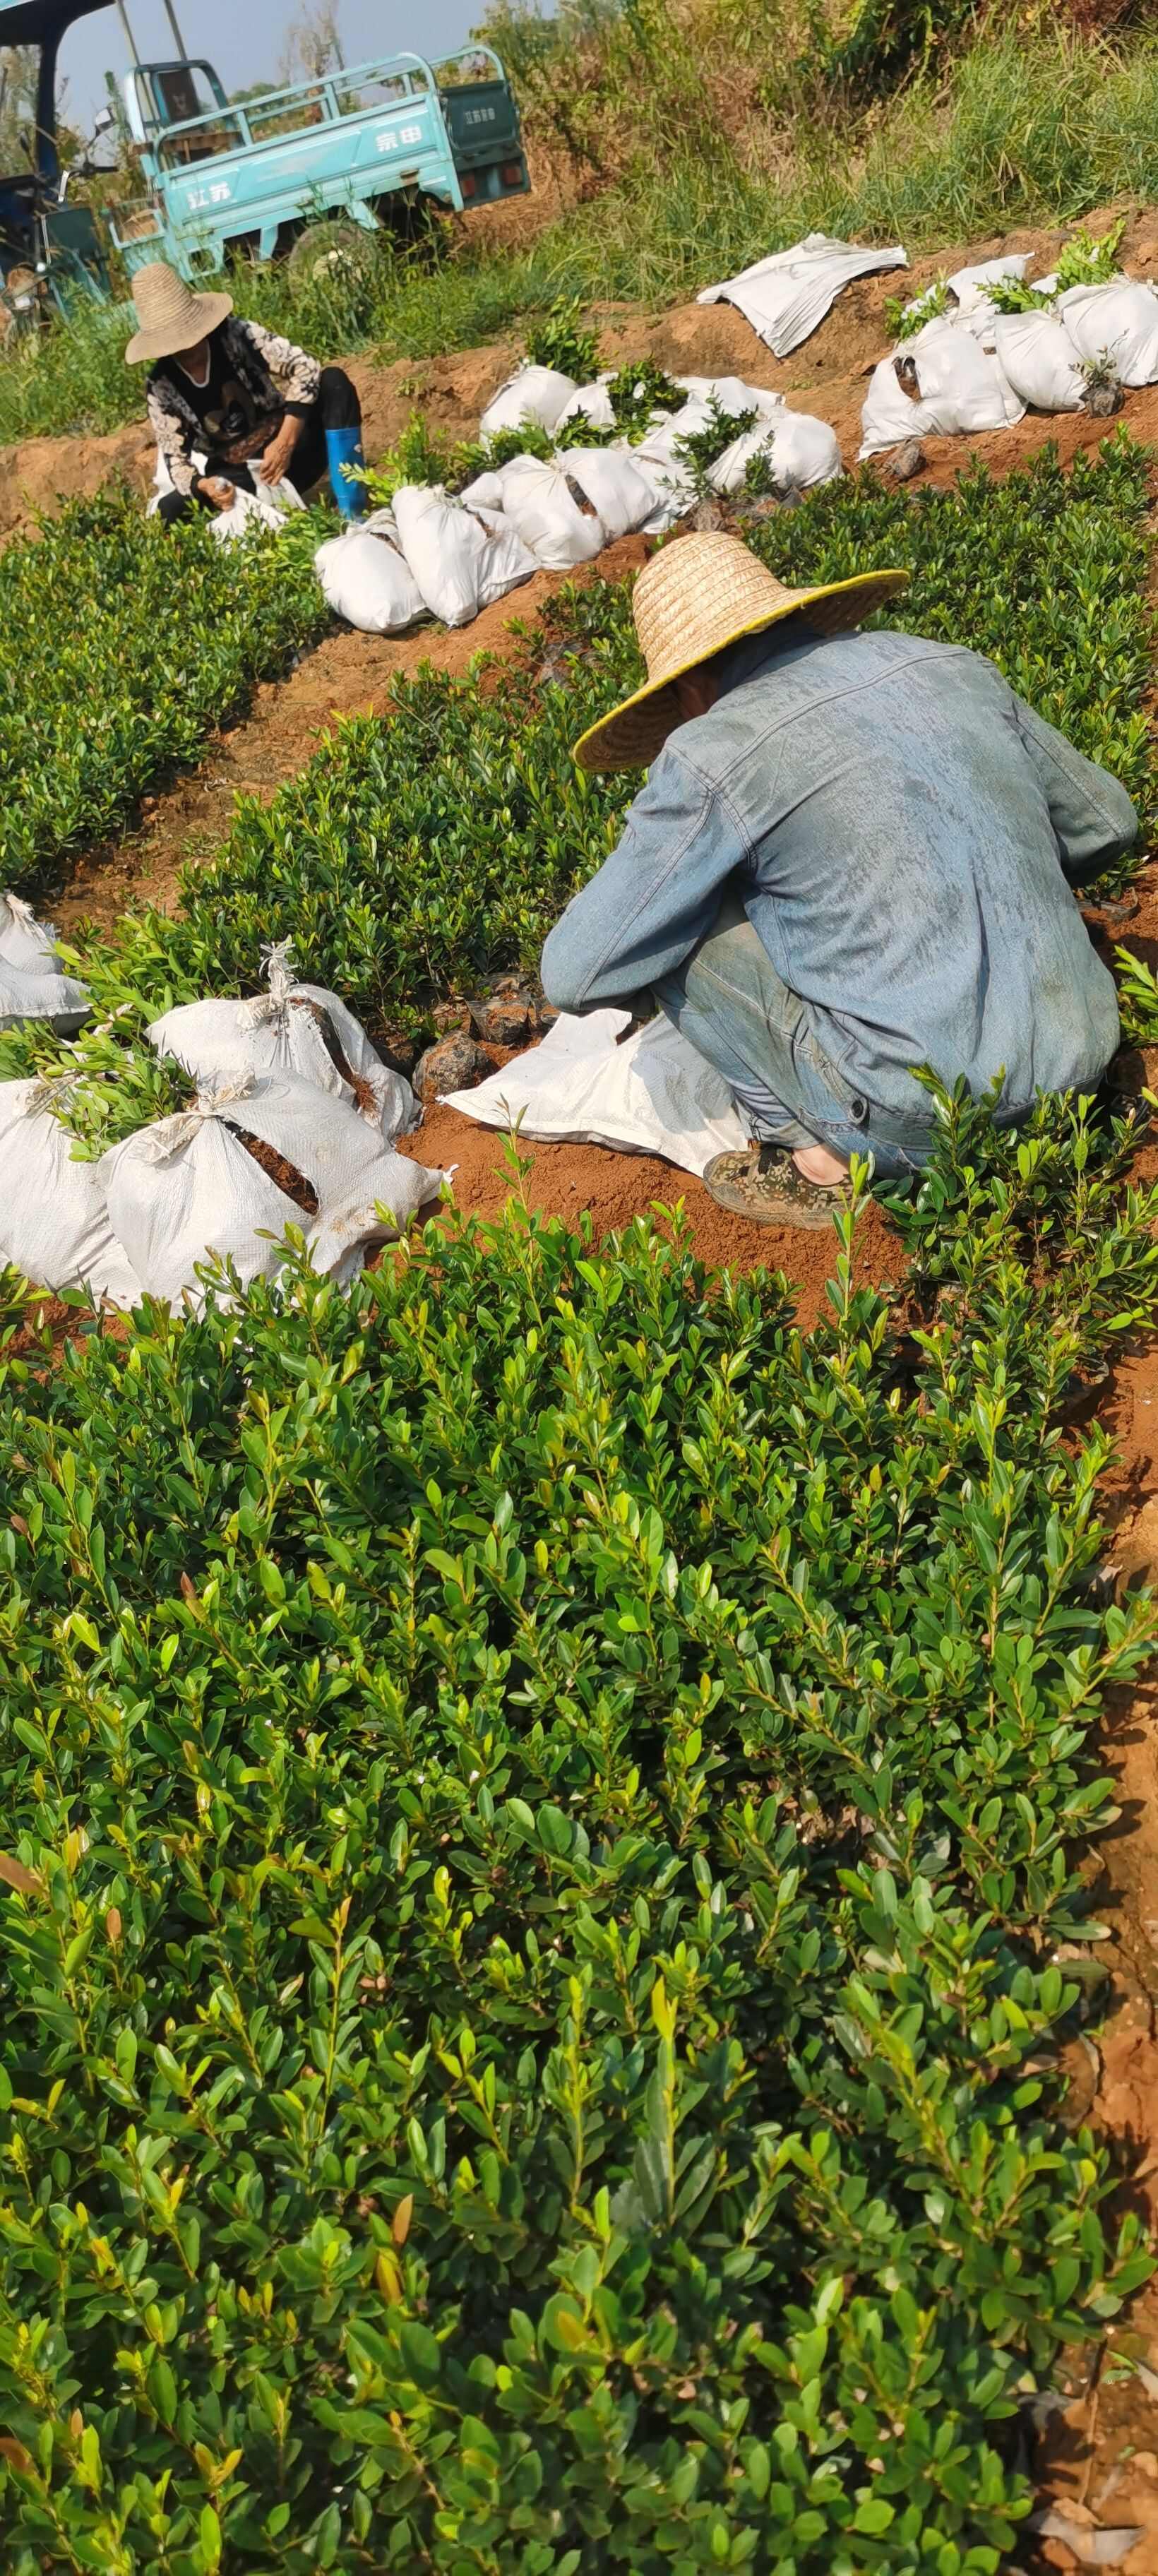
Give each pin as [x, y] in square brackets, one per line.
[170, 315]
[696, 596]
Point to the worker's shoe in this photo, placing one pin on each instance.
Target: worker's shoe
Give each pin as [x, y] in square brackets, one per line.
[764, 1185]
[344, 449]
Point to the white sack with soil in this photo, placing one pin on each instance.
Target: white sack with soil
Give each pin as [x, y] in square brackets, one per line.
[533, 393]
[968, 285]
[653, 1095]
[33, 983]
[350, 1168]
[1037, 355]
[610, 480]
[187, 1191]
[366, 578]
[54, 1219]
[786, 296]
[591, 403]
[656, 457]
[296, 1029]
[462, 560]
[801, 452]
[537, 501]
[959, 389]
[264, 508]
[1118, 322]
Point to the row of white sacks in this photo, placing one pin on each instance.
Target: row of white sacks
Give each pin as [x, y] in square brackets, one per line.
[431, 554]
[977, 369]
[292, 1069]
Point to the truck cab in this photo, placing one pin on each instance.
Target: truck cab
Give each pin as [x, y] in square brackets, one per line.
[364, 144]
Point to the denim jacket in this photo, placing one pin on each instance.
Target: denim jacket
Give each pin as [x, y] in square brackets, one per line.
[903, 833]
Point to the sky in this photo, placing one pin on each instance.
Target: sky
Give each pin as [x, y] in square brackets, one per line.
[245, 44]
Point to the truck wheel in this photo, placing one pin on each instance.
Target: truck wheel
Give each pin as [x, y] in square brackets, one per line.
[417, 225]
[327, 245]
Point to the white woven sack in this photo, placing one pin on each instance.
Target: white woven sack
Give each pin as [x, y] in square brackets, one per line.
[654, 1095]
[265, 508]
[888, 414]
[366, 578]
[185, 1192]
[591, 403]
[656, 455]
[462, 560]
[801, 452]
[281, 1031]
[1037, 355]
[54, 1220]
[351, 1168]
[968, 285]
[785, 296]
[537, 503]
[610, 479]
[33, 984]
[1118, 321]
[532, 393]
[961, 387]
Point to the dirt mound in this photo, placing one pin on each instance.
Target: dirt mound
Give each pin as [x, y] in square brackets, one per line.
[824, 376]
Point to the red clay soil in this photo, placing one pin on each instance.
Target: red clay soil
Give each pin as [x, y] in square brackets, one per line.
[565, 1180]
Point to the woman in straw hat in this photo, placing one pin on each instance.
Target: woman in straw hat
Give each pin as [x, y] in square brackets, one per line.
[233, 406]
[853, 856]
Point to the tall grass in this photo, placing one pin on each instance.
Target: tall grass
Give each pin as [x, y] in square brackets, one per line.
[1022, 129]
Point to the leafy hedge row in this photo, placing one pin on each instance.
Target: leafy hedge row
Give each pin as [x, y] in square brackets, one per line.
[124, 648]
[538, 1816]
[420, 851]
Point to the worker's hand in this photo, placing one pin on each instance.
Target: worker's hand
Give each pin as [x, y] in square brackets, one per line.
[221, 494]
[276, 459]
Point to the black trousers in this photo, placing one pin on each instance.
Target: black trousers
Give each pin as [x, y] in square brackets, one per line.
[337, 407]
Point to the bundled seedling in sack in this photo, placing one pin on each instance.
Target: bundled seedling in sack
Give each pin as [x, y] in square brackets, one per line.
[221, 1182]
[33, 981]
[292, 1028]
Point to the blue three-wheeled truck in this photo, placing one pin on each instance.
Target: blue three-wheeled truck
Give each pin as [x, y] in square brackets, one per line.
[382, 144]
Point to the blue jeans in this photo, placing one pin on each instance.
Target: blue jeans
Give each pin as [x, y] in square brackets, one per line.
[730, 1003]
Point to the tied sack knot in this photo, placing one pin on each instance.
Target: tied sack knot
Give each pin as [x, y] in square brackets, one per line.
[280, 970]
[171, 1135]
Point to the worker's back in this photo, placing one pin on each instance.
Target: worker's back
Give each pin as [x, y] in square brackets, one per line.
[905, 823]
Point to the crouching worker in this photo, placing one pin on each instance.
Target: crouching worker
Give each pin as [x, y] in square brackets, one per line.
[854, 855]
[254, 407]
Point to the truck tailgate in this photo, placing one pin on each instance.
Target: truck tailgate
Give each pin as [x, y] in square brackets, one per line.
[483, 122]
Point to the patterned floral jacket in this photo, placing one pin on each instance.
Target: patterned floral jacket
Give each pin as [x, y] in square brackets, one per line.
[270, 377]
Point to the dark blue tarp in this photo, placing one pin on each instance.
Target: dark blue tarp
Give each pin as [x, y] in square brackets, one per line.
[43, 23]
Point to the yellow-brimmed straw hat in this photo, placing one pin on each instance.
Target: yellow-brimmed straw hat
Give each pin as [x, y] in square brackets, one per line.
[172, 317]
[696, 596]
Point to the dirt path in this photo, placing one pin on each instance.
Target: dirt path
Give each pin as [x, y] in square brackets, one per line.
[346, 674]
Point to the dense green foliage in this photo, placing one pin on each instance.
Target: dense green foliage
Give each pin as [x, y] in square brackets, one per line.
[125, 646]
[539, 1802]
[537, 1812]
[417, 853]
